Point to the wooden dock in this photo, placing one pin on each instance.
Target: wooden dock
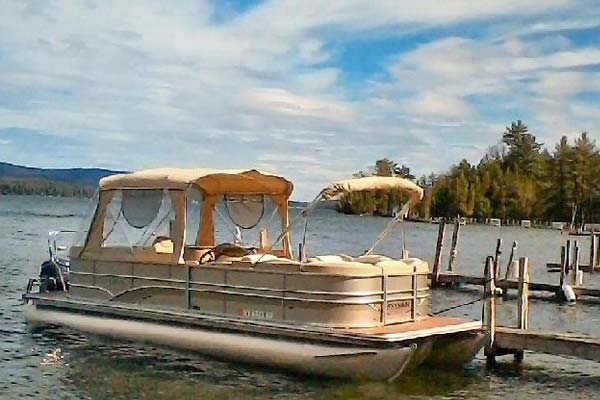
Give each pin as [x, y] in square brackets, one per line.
[507, 340]
[515, 340]
[571, 272]
[512, 340]
[452, 279]
[571, 250]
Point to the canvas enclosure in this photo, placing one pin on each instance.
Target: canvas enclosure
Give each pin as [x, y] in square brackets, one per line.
[147, 206]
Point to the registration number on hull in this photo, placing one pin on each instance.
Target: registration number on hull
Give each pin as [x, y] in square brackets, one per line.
[258, 314]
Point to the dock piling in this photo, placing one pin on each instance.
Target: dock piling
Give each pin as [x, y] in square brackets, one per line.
[597, 264]
[568, 256]
[490, 289]
[563, 266]
[435, 273]
[453, 249]
[592, 252]
[523, 307]
[511, 257]
[575, 263]
[524, 279]
[497, 254]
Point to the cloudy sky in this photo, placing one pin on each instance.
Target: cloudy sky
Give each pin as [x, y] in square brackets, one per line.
[314, 90]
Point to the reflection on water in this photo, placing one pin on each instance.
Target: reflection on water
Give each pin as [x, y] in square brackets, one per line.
[57, 363]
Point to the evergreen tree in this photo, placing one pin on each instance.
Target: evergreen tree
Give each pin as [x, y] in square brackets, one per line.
[515, 179]
[523, 149]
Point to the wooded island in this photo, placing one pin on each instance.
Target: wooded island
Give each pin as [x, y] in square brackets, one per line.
[516, 179]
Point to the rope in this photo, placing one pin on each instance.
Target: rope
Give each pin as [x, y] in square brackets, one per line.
[468, 303]
[458, 306]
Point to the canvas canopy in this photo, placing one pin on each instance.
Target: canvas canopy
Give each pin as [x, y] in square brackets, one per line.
[211, 181]
[375, 183]
[141, 193]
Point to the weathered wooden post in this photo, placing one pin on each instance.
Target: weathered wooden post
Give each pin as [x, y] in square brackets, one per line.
[563, 267]
[575, 264]
[489, 290]
[497, 254]
[597, 251]
[509, 268]
[511, 257]
[437, 262]
[568, 256]
[592, 252]
[524, 280]
[453, 250]
[523, 307]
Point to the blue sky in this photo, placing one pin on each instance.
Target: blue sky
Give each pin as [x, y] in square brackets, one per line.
[310, 89]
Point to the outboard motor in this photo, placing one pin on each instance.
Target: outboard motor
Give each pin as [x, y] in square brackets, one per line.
[54, 273]
[53, 277]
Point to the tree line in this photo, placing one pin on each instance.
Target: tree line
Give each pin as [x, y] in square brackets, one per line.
[518, 178]
[43, 187]
[377, 202]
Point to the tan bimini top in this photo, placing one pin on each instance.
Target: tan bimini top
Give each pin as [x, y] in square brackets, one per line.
[213, 183]
[210, 181]
[375, 183]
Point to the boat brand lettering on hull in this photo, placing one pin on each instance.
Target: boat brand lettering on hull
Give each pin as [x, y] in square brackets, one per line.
[399, 307]
[260, 314]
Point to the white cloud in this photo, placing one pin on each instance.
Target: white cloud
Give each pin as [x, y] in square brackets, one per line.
[439, 107]
[141, 84]
[285, 102]
[562, 83]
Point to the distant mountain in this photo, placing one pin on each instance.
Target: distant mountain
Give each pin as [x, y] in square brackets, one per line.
[297, 204]
[68, 182]
[327, 204]
[82, 176]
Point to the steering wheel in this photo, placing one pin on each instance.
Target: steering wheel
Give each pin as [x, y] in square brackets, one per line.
[208, 256]
[232, 250]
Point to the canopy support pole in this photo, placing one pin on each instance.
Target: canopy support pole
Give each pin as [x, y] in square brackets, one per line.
[389, 227]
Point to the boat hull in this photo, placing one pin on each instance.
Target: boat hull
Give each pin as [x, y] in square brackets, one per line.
[331, 360]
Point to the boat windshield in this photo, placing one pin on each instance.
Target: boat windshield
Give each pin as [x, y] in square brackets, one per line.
[82, 231]
[242, 218]
[138, 218]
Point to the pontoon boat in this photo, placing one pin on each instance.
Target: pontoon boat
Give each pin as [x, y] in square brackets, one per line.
[168, 258]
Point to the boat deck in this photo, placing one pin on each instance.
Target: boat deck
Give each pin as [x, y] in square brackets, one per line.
[429, 323]
[385, 335]
[429, 326]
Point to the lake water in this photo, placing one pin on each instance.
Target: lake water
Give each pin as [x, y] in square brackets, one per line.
[63, 364]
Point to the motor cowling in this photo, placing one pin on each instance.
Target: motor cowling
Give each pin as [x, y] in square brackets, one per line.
[53, 277]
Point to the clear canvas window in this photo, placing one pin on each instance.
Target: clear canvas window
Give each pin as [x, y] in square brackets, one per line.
[138, 218]
[82, 231]
[195, 203]
[241, 218]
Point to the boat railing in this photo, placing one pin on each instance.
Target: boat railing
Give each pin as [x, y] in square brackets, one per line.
[31, 282]
[54, 248]
[387, 301]
[384, 294]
